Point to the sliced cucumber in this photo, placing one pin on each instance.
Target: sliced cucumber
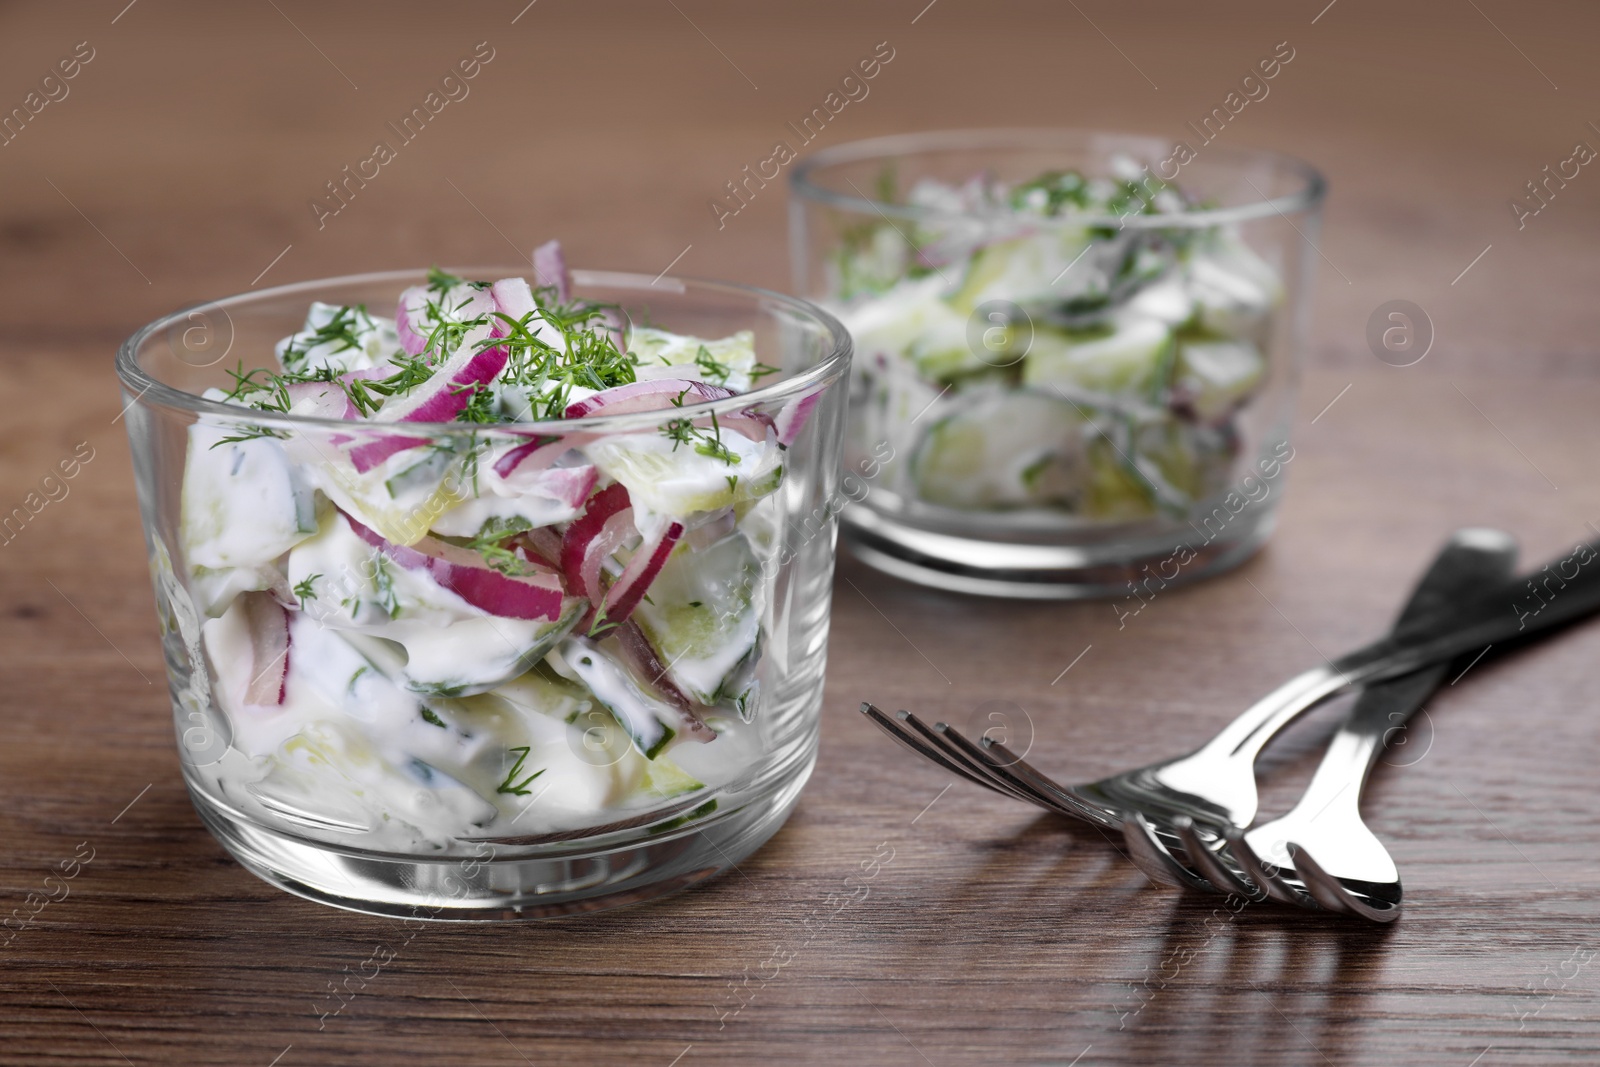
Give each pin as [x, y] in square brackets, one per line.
[672, 477]
[1159, 463]
[913, 322]
[1235, 289]
[1114, 491]
[646, 718]
[1128, 357]
[1213, 377]
[1030, 270]
[703, 614]
[474, 655]
[1007, 449]
[727, 361]
[243, 503]
[664, 779]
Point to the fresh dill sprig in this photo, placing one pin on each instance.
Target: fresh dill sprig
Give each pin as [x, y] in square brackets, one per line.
[341, 330]
[442, 281]
[587, 356]
[480, 404]
[249, 433]
[683, 431]
[503, 559]
[712, 369]
[511, 785]
[383, 582]
[412, 372]
[303, 590]
[244, 382]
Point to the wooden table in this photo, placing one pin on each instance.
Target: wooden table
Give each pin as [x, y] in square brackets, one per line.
[180, 166]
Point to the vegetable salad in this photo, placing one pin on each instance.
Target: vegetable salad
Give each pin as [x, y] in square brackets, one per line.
[1013, 360]
[418, 636]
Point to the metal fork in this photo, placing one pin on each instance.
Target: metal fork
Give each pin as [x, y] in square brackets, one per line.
[1215, 785]
[1321, 854]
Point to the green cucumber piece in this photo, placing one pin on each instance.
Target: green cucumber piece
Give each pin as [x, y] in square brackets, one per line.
[1127, 357]
[1002, 449]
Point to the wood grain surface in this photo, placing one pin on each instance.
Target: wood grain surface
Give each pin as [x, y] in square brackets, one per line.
[180, 165]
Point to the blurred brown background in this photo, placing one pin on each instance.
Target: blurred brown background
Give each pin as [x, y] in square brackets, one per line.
[198, 134]
[180, 165]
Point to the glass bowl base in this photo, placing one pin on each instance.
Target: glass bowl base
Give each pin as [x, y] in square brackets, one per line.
[1043, 571]
[577, 880]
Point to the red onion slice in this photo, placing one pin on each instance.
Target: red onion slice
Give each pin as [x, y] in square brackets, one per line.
[443, 396]
[439, 399]
[656, 394]
[570, 485]
[792, 419]
[267, 622]
[550, 269]
[537, 595]
[584, 529]
[322, 400]
[514, 299]
[414, 323]
[631, 585]
[543, 543]
[412, 307]
[617, 531]
[638, 654]
[538, 454]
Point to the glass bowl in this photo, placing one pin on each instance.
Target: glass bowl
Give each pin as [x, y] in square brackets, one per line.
[1068, 381]
[354, 735]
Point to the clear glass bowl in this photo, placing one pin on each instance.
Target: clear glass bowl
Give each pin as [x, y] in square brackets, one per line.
[1060, 405]
[380, 794]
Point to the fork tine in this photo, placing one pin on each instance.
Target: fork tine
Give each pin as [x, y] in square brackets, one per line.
[1210, 865]
[1323, 887]
[1266, 875]
[1152, 857]
[952, 754]
[1332, 894]
[1043, 783]
[932, 755]
[1056, 800]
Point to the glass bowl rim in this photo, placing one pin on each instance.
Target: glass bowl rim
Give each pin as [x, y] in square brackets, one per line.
[1308, 196]
[828, 370]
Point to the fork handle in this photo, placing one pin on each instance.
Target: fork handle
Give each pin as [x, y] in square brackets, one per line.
[1512, 610]
[1472, 559]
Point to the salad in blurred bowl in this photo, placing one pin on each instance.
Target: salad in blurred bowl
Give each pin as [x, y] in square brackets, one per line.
[1065, 362]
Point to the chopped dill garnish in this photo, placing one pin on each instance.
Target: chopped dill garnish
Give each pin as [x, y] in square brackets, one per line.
[587, 356]
[600, 627]
[503, 560]
[480, 404]
[341, 331]
[249, 433]
[710, 367]
[683, 431]
[441, 281]
[303, 590]
[510, 785]
[383, 581]
[432, 717]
